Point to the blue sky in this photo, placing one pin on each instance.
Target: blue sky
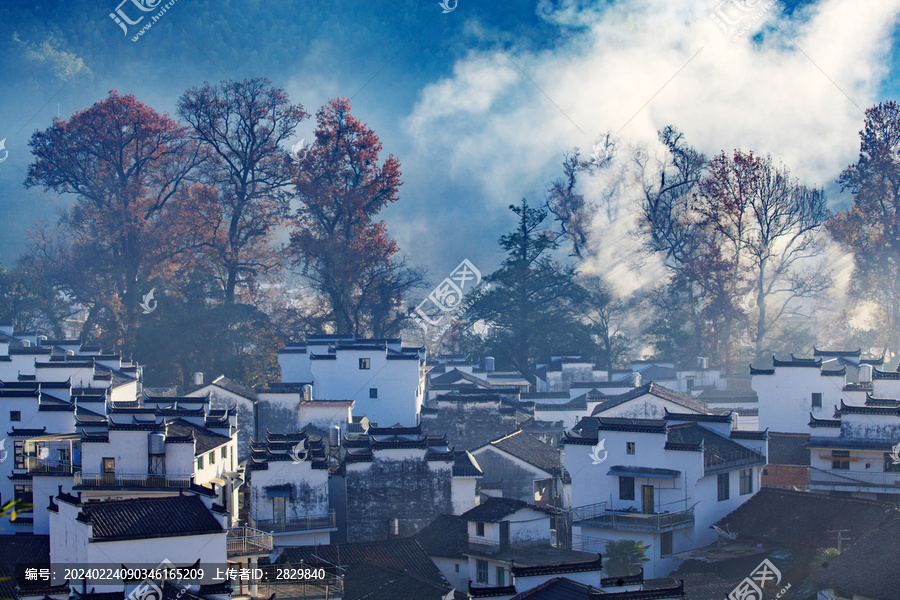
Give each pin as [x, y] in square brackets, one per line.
[479, 104]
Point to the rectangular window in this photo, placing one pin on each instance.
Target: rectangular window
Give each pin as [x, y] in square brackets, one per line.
[279, 506]
[840, 459]
[482, 570]
[889, 465]
[212, 458]
[109, 465]
[665, 543]
[25, 495]
[626, 488]
[364, 364]
[224, 451]
[19, 453]
[479, 529]
[724, 486]
[746, 481]
[457, 567]
[15, 415]
[629, 447]
[373, 392]
[817, 400]
[501, 577]
[200, 462]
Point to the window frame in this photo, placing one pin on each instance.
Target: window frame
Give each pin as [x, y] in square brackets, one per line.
[479, 529]
[373, 393]
[746, 477]
[840, 460]
[816, 399]
[481, 570]
[889, 466]
[666, 542]
[723, 491]
[15, 416]
[365, 364]
[626, 488]
[630, 447]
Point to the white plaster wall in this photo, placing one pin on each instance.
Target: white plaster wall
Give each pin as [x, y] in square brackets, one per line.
[785, 398]
[463, 494]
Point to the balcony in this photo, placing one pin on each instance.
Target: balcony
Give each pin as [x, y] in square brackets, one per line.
[841, 480]
[293, 524]
[600, 517]
[53, 467]
[124, 480]
[480, 545]
[247, 541]
[743, 459]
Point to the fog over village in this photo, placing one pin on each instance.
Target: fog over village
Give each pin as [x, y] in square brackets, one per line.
[443, 300]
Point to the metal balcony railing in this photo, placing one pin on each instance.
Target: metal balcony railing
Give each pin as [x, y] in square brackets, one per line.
[837, 479]
[308, 523]
[131, 480]
[247, 541]
[44, 465]
[480, 545]
[738, 460]
[597, 515]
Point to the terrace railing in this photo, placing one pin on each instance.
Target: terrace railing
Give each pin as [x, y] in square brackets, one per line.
[131, 480]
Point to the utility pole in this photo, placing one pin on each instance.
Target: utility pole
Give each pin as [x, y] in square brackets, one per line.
[840, 539]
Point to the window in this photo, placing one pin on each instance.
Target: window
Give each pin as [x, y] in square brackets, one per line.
[212, 458]
[25, 495]
[690, 383]
[817, 400]
[479, 529]
[501, 577]
[224, 451]
[200, 462]
[109, 465]
[364, 364]
[724, 485]
[840, 459]
[278, 507]
[19, 453]
[746, 481]
[629, 447]
[373, 392]
[889, 465]
[457, 567]
[481, 567]
[15, 415]
[626, 488]
[665, 543]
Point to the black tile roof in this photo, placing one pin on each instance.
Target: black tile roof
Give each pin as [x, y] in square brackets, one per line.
[230, 385]
[653, 389]
[530, 450]
[138, 518]
[717, 449]
[441, 536]
[205, 439]
[789, 449]
[494, 510]
[16, 549]
[383, 570]
[801, 520]
[465, 465]
[560, 569]
[561, 588]
[859, 571]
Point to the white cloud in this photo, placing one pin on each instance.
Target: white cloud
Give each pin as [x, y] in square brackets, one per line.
[636, 69]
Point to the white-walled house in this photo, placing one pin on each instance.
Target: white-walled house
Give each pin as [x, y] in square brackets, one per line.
[289, 489]
[182, 529]
[663, 482]
[225, 393]
[384, 379]
[397, 480]
[649, 401]
[522, 467]
[854, 452]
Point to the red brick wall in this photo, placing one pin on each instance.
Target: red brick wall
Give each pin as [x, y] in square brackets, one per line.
[783, 476]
